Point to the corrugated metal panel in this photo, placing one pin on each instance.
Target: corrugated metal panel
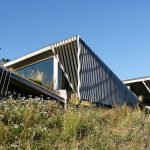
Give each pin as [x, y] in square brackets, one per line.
[98, 83]
[67, 57]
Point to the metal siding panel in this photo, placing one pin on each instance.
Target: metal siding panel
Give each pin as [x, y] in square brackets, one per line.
[104, 86]
[114, 89]
[84, 78]
[99, 83]
[87, 75]
[102, 83]
[90, 77]
[81, 72]
[74, 49]
[94, 80]
[109, 87]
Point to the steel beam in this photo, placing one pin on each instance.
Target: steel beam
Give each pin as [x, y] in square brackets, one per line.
[146, 86]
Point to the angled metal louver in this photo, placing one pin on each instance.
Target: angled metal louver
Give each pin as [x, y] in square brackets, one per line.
[4, 81]
[67, 57]
[89, 77]
[98, 83]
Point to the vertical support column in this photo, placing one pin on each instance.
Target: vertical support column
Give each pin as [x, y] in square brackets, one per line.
[79, 66]
[55, 73]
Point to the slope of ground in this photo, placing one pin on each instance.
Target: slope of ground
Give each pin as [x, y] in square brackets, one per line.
[34, 124]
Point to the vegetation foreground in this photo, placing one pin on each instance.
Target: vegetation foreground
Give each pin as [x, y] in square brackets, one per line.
[44, 125]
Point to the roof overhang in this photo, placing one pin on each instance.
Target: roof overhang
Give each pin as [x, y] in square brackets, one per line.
[136, 80]
[13, 64]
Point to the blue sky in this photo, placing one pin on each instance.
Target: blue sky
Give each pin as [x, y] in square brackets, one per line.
[117, 30]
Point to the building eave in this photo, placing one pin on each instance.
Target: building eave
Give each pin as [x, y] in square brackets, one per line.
[39, 51]
[136, 80]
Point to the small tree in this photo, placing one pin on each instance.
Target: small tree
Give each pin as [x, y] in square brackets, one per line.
[3, 60]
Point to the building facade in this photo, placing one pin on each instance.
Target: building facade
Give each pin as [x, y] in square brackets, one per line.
[71, 65]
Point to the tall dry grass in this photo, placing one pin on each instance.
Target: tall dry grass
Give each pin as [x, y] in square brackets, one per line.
[36, 76]
[34, 124]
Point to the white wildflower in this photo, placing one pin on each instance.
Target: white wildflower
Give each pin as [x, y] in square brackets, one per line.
[14, 145]
[16, 126]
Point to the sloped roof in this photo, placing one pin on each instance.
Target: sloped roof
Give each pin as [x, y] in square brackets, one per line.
[42, 50]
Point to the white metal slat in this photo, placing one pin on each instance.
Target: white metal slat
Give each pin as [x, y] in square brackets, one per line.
[2, 90]
[7, 84]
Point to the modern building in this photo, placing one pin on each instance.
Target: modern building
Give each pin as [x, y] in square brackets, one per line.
[71, 65]
[140, 87]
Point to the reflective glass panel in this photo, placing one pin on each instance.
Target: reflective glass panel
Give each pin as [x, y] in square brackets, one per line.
[41, 73]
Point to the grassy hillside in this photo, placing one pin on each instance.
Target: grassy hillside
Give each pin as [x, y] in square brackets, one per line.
[44, 125]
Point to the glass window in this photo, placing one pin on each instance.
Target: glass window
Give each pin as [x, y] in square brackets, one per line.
[62, 81]
[41, 73]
